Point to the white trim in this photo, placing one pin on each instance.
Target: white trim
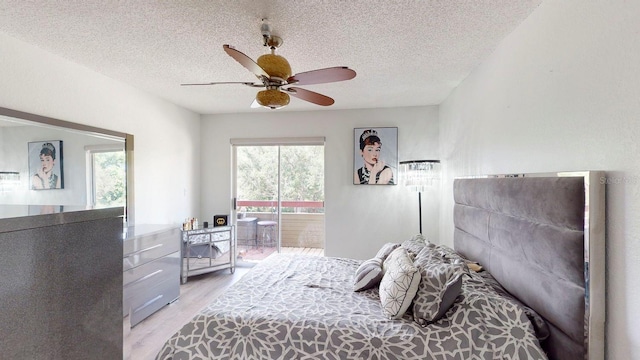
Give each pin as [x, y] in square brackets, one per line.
[319, 140]
[104, 148]
[89, 176]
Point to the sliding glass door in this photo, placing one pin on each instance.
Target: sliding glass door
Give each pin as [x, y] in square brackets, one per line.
[278, 197]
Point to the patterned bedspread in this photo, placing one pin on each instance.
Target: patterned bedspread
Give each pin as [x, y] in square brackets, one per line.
[304, 307]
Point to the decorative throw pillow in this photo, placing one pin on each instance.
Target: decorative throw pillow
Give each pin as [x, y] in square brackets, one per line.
[398, 252]
[385, 250]
[419, 237]
[440, 285]
[446, 251]
[368, 274]
[415, 244]
[399, 284]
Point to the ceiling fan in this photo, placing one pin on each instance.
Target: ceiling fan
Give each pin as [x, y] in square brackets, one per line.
[274, 73]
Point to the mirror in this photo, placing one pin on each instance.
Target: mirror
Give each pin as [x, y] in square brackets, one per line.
[47, 163]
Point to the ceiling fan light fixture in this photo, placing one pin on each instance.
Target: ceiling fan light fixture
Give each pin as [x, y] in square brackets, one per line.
[275, 65]
[274, 74]
[272, 98]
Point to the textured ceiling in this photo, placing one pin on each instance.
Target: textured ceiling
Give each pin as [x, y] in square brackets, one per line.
[406, 53]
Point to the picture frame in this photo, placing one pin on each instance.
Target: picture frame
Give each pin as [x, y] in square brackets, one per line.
[46, 165]
[375, 150]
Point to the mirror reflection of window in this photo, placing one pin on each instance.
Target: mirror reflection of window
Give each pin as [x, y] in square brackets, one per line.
[106, 176]
[9, 181]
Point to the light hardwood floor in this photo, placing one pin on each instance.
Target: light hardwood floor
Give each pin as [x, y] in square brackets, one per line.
[143, 341]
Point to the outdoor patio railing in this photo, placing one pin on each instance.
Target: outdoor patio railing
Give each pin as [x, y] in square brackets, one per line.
[299, 229]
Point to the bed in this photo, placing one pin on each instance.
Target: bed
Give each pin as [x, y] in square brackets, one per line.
[539, 238]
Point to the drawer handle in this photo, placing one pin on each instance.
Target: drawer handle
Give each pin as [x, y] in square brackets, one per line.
[148, 303]
[144, 278]
[143, 250]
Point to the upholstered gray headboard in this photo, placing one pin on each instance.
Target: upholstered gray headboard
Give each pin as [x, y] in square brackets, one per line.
[542, 237]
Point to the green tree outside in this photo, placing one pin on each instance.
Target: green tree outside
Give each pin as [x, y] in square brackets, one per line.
[302, 175]
[110, 178]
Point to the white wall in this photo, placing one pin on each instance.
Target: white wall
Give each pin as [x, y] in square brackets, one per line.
[359, 219]
[167, 141]
[562, 92]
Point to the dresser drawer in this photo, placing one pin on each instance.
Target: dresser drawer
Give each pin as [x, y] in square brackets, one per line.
[142, 249]
[163, 293]
[140, 283]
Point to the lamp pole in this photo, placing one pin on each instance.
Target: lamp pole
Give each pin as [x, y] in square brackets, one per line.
[420, 209]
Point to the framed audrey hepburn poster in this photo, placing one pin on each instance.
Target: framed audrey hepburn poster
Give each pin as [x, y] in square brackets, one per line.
[45, 165]
[375, 160]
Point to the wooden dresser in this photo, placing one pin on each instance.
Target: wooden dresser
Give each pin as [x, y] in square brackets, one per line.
[151, 267]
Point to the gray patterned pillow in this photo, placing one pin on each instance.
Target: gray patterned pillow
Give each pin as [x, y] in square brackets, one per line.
[419, 237]
[385, 250]
[368, 274]
[440, 285]
[399, 284]
[446, 251]
[415, 244]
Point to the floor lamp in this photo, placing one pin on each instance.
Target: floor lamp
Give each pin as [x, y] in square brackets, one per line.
[418, 175]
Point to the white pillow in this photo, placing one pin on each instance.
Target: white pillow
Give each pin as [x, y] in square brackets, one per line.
[395, 254]
[368, 274]
[399, 284]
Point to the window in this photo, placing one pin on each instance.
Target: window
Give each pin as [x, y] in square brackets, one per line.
[106, 176]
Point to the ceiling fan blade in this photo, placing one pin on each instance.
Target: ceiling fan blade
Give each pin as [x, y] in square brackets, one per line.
[226, 82]
[245, 61]
[310, 96]
[321, 76]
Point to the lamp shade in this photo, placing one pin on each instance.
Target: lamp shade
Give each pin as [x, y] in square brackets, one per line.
[418, 175]
[275, 66]
[272, 98]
